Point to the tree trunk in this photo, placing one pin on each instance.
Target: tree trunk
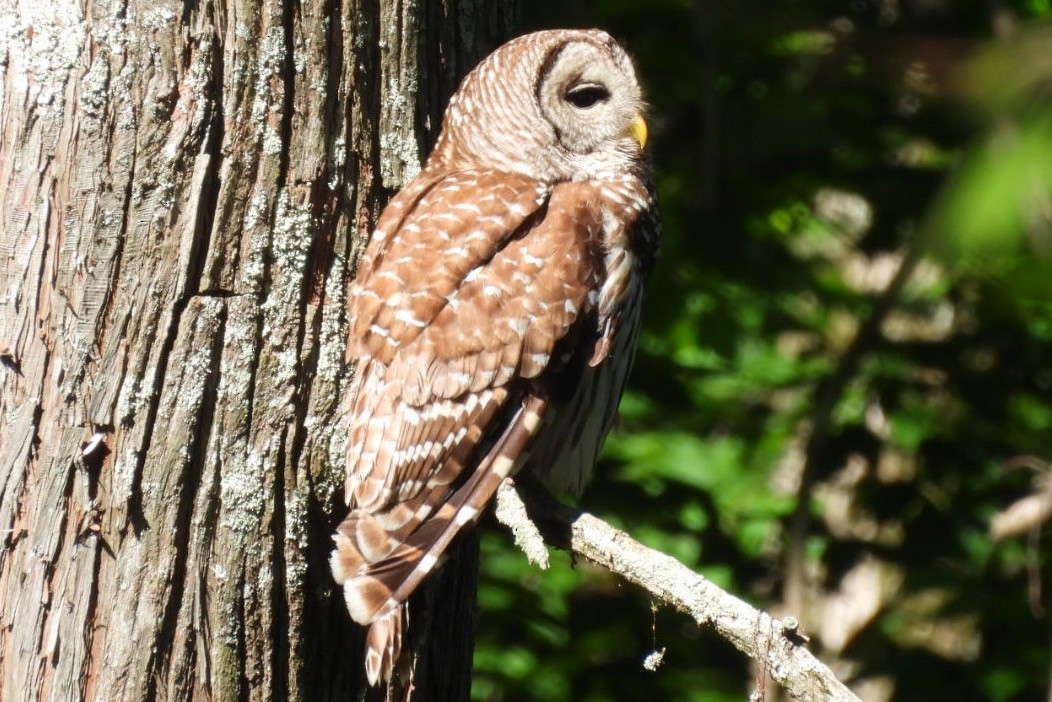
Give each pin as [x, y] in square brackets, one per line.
[184, 190]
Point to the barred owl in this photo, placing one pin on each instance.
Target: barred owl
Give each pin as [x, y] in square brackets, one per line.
[495, 311]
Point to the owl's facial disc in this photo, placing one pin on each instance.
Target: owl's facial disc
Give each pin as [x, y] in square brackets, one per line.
[589, 95]
[584, 96]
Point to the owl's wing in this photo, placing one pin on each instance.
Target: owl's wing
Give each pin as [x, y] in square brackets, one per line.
[481, 285]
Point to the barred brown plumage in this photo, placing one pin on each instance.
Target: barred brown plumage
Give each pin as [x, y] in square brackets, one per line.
[495, 312]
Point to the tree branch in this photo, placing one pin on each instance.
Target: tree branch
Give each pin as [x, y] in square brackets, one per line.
[773, 644]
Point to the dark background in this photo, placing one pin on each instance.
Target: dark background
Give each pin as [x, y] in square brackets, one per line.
[846, 371]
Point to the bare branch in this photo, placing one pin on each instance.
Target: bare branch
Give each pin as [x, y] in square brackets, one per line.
[774, 644]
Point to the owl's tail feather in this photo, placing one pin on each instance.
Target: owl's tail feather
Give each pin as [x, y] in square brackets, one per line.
[383, 644]
[376, 591]
[426, 545]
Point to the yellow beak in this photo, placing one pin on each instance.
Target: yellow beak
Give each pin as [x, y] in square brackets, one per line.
[638, 130]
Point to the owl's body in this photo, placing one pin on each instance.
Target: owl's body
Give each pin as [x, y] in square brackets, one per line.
[494, 314]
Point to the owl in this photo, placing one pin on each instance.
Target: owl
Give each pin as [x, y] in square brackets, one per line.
[494, 314]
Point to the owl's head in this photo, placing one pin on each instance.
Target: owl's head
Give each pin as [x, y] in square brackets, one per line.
[554, 105]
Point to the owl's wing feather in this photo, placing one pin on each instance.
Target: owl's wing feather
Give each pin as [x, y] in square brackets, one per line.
[451, 355]
[421, 254]
[431, 379]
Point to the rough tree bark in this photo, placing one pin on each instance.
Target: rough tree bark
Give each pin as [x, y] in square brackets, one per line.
[183, 189]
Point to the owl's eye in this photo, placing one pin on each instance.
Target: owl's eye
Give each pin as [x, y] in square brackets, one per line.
[585, 95]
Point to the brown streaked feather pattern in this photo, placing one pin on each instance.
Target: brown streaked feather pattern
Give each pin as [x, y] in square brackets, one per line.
[493, 320]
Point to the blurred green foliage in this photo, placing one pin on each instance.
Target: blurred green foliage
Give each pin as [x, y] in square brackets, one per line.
[848, 344]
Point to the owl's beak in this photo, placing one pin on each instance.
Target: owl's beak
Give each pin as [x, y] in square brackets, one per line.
[638, 130]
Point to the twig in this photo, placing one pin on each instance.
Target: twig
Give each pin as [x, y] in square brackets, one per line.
[774, 643]
[511, 512]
